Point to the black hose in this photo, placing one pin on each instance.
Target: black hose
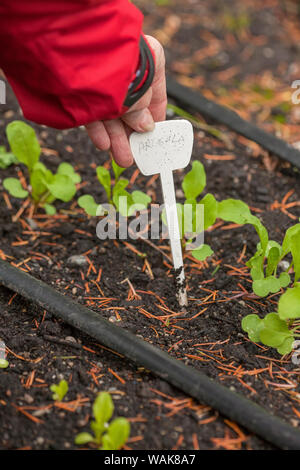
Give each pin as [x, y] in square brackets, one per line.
[194, 383]
[224, 115]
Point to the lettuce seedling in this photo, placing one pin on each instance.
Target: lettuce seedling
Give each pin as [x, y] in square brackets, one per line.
[106, 436]
[44, 186]
[264, 283]
[271, 331]
[60, 390]
[116, 194]
[265, 279]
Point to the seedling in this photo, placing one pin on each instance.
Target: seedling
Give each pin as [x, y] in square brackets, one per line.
[277, 330]
[265, 280]
[60, 390]
[116, 194]
[45, 187]
[106, 436]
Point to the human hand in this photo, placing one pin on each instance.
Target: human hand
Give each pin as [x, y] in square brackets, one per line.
[151, 108]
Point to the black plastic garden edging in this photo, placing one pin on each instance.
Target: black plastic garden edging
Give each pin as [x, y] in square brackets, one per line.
[229, 118]
[192, 382]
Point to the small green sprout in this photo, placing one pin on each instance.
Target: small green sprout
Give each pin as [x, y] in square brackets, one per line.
[116, 194]
[44, 186]
[4, 364]
[106, 436]
[60, 390]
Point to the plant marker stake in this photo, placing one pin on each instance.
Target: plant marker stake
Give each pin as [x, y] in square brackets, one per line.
[165, 149]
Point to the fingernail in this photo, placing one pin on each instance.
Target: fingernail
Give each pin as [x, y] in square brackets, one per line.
[147, 123]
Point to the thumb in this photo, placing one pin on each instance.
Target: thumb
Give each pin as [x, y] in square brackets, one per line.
[140, 120]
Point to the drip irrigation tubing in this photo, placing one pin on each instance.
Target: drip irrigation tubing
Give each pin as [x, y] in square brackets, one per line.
[194, 383]
[223, 115]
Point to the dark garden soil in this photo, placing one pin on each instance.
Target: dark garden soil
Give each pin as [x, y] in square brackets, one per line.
[43, 350]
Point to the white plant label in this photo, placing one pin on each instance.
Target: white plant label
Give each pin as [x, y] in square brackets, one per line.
[165, 149]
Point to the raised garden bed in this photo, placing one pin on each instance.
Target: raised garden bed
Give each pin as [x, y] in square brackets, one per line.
[42, 350]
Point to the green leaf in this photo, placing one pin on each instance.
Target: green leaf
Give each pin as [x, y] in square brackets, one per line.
[140, 202]
[38, 182]
[271, 244]
[59, 390]
[103, 176]
[24, 143]
[49, 209]
[289, 304]
[261, 231]
[252, 325]
[120, 185]
[287, 346]
[4, 364]
[103, 407]
[83, 438]
[89, 204]
[107, 443]
[123, 202]
[274, 331]
[194, 181]
[122, 199]
[234, 210]
[202, 253]
[187, 217]
[262, 287]
[62, 187]
[40, 166]
[68, 170]
[118, 433]
[14, 187]
[141, 198]
[273, 259]
[284, 280]
[118, 170]
[98, 429]
[256, 265]
[210, 210]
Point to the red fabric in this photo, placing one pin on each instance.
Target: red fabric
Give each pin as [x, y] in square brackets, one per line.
[69, 62]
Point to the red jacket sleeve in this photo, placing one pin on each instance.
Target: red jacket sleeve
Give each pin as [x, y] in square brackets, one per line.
[69, 62]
